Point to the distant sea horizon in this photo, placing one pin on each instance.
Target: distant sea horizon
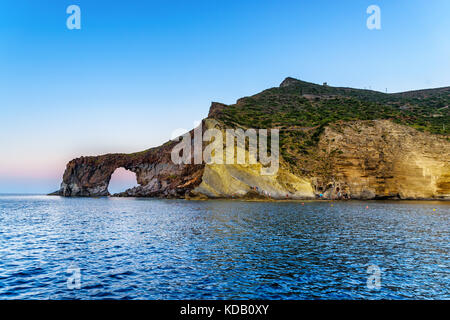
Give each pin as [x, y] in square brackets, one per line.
[236, 199]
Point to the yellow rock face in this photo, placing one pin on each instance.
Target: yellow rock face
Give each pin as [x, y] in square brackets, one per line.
[382, 159]
[367, 160]
[225, 180]
[239, 180]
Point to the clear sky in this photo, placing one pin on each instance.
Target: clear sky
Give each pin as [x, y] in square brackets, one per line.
[138, 70]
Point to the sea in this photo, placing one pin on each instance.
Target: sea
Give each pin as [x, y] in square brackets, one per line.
[134, 248]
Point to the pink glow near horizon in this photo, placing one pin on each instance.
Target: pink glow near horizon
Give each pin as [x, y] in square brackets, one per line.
[122, 180]
[123, 175]
[37, 171]
[54, 169]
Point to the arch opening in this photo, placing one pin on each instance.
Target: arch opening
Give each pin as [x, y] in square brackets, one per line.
[122, 180]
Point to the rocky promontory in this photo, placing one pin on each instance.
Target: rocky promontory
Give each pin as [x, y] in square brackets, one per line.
[335, 143]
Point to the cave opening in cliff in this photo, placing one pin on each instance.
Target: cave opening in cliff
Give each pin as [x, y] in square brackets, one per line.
[121, 180]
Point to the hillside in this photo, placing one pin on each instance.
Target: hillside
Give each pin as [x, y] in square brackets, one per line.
[301, 110]
[334, 142]
[302, 104]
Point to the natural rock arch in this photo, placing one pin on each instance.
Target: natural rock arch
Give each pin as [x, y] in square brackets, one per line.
[156, 174]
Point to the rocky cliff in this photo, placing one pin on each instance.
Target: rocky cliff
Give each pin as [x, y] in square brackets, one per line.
[156, 174]
[380, 159]
[336, 143]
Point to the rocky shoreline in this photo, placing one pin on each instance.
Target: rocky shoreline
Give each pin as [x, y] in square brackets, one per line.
[351, 160]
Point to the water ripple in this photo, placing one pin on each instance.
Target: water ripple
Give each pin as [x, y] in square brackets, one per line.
[174, 249]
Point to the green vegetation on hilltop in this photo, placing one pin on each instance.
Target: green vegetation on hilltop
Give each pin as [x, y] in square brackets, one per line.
[301, 110]
[305, 104]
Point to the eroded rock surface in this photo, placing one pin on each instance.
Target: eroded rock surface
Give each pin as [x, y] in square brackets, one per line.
[345, 159]
[365, 160]
[381, 159]
[156, 174]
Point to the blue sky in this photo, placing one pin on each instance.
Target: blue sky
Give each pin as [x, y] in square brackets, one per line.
[138, 70]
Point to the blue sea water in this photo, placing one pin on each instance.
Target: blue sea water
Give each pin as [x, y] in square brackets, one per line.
[176, 249]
